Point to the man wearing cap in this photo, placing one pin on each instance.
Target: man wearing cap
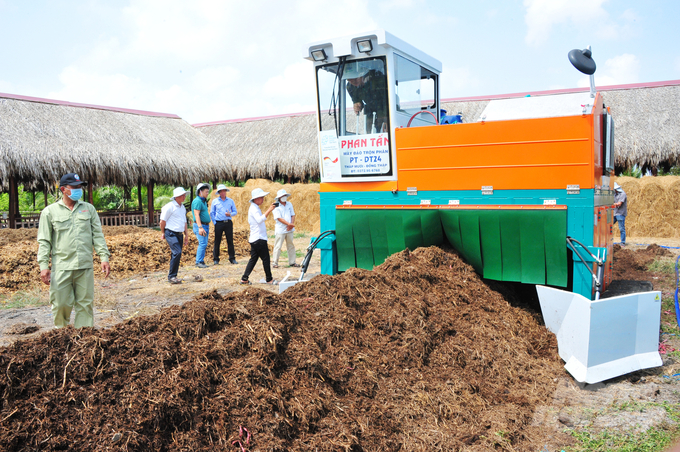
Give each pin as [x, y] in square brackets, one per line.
[222, 211]
[284, 228]
[620, 210]
[258, 236]
[199, 210]
[68, 231]
[174, 230]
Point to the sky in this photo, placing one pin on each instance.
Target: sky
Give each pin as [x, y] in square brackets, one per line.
[213, 60]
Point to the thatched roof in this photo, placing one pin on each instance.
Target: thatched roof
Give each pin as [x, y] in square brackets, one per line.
[647, 123]
[41, 139]
[647, 118]
[267, 147]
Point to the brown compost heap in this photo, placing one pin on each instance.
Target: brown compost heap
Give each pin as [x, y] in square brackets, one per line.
[418, 354]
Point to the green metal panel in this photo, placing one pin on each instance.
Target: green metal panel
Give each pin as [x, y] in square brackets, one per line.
[557, 274]
[345, 239]
[431, 228]
[469, 232]
[413, 233]
[378, 229]
[362, 239]
[490, 234]
[532, 247]
[451, 224]
[394, 225]
[510, 246]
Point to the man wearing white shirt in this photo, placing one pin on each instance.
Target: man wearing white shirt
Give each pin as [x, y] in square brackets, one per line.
[174, 230]
[284, 228]
[258, 237]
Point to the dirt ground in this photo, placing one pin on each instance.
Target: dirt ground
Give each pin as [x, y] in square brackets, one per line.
[417, 355]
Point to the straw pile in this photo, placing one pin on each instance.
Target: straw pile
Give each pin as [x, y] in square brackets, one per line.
[418, 354]
[133, 251]
[653, 205]
[304, 197]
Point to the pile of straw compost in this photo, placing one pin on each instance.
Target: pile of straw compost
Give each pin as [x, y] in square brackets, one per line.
[304, 197]
[653, 206]
[418, 354]
[133, 250]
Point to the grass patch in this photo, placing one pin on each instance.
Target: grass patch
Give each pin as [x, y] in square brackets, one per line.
[24, 299]
[662, 266]
[653, 440]
[298, 253]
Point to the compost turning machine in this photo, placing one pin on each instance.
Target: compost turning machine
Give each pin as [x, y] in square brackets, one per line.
[523, 192]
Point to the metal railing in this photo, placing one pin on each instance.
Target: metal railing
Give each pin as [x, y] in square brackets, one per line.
[140, 219]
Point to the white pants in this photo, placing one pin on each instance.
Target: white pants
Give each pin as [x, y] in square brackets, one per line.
[290, 246]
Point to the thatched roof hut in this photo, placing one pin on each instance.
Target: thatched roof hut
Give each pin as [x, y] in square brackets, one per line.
[267, 147]
[646, 117]
[42, 139]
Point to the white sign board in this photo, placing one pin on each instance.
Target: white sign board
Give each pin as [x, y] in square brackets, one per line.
[353, 155]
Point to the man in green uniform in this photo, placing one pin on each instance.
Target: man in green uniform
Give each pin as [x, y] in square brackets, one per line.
[67, 232]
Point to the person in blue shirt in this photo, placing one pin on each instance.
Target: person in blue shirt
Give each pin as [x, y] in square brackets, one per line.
[222, 213]
[199, 210]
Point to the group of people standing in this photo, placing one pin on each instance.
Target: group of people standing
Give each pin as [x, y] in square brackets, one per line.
[174, 229]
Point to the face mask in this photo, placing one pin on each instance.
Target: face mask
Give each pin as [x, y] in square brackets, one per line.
[284, 198]
[76, 194]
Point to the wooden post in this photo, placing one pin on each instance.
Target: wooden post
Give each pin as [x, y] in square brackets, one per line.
[13, 201]
[139, 196]
[90, 193]
[126, 195]
[149, 200]
[45, 193]
[33, 200]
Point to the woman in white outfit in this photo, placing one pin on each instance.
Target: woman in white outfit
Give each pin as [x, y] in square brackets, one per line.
[285, 226]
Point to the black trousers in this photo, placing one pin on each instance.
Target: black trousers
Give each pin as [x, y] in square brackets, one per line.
[258, 249]
[226, 228]
[175, 240]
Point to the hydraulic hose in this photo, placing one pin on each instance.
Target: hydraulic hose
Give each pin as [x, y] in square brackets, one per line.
[310, 251]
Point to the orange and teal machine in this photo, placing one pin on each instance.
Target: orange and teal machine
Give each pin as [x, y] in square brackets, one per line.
[523, 192]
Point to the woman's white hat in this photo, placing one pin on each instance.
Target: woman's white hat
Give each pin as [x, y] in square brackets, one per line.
[617, 186]
[221, 187]
[201, 185]
[177, 192]
[281, 193]
[258, 193]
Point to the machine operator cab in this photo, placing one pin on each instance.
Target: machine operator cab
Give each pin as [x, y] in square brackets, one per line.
[368, 85]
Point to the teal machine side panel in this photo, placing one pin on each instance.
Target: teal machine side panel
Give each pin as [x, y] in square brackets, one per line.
[579, 225]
